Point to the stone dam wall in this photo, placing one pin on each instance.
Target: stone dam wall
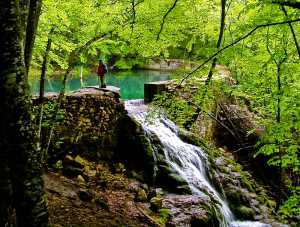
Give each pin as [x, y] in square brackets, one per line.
[87, 123]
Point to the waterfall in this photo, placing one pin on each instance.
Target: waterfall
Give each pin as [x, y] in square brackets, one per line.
[187, 160]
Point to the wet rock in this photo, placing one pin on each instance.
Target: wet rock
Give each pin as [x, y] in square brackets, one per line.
[187, 210]
[244, 213]
[135, 150]
[184, 189]
[85, 195]
[202, 221]
[171, 181]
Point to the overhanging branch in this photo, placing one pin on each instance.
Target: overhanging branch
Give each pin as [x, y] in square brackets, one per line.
[234, 43]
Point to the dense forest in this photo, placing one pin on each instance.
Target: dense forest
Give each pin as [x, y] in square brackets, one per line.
[237, 86]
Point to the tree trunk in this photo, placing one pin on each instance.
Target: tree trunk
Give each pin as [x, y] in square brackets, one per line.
[34, 12]
[21, 184]
[189, 123]
[44, 66]
[81, 76]
[219, 43]
[292, 31]
[278, 114]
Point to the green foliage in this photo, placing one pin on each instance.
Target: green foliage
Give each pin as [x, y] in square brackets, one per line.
[51, 115]
[177, 109]
[291, 209]
[164, 215]
[128, 63]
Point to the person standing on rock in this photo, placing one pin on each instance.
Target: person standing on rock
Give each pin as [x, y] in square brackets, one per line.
[102, 69]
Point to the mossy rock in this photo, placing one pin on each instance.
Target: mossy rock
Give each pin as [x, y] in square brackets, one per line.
[209, 220]
[243, 212]
[171, 181]
[191, 138]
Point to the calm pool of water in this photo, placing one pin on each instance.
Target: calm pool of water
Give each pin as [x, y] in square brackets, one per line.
[130, 82]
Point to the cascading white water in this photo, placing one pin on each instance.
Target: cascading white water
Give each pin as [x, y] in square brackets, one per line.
[187, 160]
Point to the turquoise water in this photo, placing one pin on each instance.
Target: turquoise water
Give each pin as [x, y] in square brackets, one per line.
[130, 82]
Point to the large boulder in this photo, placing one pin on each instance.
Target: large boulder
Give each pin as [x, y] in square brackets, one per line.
[190, 210]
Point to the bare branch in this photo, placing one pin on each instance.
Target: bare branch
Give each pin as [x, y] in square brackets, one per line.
[164, 18]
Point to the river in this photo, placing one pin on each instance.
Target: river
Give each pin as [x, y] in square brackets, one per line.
[130, 82]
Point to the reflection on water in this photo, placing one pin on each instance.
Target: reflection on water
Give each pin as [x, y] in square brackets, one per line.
[130, 82]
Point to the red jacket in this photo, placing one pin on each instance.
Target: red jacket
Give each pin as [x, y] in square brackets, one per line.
[101, 70]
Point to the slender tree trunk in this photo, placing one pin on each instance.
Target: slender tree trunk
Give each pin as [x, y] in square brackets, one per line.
[278, 114]
[194, 118]
[21, 184]
[278, 120]
[44, 66]
[292, 31]
[219, 43]
[81, 76]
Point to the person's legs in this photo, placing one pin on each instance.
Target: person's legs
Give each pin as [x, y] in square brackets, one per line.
[103, 85]
[99, 82]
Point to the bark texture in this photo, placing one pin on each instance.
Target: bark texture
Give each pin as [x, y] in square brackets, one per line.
[21, 184]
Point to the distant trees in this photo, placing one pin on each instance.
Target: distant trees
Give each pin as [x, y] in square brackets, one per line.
[21, 183]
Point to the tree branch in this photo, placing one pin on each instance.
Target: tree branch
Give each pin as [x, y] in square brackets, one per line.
[164, 18]
[133, 7]
[234, 43]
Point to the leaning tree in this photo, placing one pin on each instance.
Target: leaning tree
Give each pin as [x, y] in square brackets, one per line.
[21, 185]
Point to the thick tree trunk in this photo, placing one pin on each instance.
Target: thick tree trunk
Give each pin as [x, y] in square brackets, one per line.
[21, 184]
